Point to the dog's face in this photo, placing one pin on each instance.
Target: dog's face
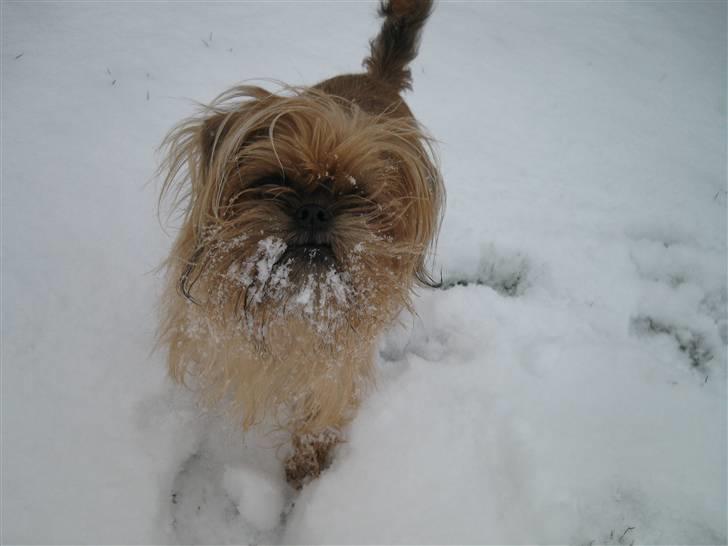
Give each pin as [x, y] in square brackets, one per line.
[301, 208]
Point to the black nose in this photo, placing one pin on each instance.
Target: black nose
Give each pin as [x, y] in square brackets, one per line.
[313, 217]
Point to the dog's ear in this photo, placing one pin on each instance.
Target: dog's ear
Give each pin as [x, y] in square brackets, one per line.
[212, 132]
[222, 132]
[189, 148]
[193, 147]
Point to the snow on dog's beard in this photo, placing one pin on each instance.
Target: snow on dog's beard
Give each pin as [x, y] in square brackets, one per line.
[268, 293]
[273, 309]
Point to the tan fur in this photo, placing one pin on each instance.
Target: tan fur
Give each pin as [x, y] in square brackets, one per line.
[250, 322]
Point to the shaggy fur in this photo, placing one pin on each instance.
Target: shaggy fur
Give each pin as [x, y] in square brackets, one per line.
[272, 319]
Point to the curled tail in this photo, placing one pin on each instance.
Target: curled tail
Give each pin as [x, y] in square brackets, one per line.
[396, 44]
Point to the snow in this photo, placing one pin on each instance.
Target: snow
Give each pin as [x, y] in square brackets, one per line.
[567, 385]
[259, 499]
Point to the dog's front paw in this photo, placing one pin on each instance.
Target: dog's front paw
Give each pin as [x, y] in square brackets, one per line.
[311, 456]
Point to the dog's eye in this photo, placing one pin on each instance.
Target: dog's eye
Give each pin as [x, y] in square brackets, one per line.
[275, 180]
[358, 191]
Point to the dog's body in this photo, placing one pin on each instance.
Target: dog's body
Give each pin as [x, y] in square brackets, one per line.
[307, 221]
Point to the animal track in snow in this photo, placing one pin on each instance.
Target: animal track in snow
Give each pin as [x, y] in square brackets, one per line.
[506, 272]
[201, 510]
[683, 294]
[692, 343]
[225, 493]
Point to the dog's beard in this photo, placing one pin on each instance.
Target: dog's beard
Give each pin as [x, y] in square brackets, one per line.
[255, 289]
[281, 281]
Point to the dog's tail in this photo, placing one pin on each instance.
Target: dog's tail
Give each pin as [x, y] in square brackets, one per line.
[396, 44]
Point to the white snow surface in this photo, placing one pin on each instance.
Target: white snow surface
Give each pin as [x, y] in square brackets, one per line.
[568, 386]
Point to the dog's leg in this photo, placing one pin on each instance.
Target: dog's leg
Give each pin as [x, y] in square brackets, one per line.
[325, 413]
[312, 455]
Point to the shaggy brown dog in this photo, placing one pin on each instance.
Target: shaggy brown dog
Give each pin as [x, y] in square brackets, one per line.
[308, 217]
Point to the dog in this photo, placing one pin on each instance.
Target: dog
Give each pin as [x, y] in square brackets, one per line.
[308, 218]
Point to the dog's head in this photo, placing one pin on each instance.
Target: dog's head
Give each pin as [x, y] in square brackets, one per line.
[301, 206]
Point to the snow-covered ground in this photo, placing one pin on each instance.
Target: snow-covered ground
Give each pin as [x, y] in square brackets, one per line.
[568, 387]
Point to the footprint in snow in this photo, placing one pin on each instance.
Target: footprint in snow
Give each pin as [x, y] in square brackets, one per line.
[507, 272]
[212, 502]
